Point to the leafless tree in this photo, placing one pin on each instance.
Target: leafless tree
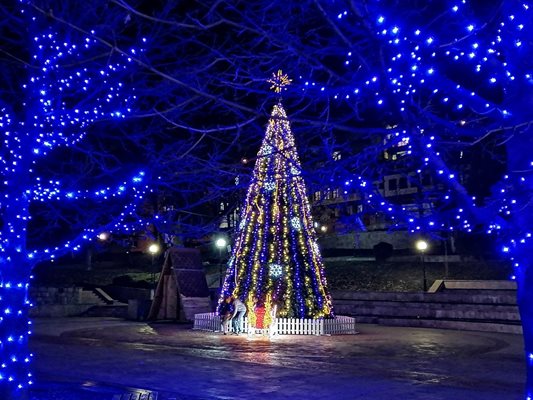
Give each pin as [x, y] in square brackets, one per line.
[367, 77]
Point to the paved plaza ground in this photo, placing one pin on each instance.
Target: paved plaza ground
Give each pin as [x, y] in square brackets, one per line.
[108, 359]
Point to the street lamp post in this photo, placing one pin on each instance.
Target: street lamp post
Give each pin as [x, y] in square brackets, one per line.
[153, 249]
[422, 246]
[102, 237]
[220, 244]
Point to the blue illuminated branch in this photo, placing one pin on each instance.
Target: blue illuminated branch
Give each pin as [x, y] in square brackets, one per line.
[55, 191]
[400, 216]
[61, 87]
[414, 55]
[127, 221]
[416, 62]
[462, 218]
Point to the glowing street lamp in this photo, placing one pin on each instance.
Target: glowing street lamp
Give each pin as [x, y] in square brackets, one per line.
[221, 244]
[103, 236]
[153, 249]
[422, 246]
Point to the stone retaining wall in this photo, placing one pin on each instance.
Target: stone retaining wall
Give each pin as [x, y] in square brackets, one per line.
[56, 295]
[70, 301]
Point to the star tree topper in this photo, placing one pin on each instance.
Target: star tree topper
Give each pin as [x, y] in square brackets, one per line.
[279, 80]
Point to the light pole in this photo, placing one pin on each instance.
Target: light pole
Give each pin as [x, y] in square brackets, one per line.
[220, 243]
[153, 249]
[422, 246]
[102, 238]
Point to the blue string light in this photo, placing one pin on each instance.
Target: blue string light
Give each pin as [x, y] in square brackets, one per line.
[67, 91]
[417, 64]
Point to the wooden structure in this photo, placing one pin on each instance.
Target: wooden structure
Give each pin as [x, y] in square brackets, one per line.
[182, 288]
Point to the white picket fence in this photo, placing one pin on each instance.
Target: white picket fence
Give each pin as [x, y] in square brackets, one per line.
[296, 326]
[339, 325]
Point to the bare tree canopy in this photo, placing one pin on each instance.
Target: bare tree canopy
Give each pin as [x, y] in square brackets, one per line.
[131, 101]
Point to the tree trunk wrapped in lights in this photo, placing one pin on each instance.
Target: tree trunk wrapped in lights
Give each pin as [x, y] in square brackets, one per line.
[15, 373]
[276, 258]
[70, 80]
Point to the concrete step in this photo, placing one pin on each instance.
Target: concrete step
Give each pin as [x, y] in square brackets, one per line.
[96, 296]
[458, 296]
[430, 310]
[468, 309]
[484, 326]
[89, 297]
[99, 292]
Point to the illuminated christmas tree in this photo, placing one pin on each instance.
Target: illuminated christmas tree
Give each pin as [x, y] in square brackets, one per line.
[276, 259]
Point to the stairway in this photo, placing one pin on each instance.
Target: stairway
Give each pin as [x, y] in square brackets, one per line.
[475, 307]
[101, 304]
[96, 296]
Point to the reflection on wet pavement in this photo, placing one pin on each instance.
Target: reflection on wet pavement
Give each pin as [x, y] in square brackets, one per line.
[415, 363]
